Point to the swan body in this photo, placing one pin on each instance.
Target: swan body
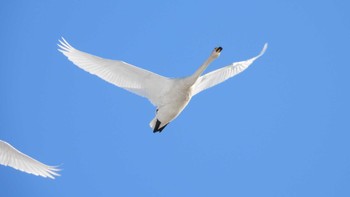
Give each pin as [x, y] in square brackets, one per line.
[169, 95]
[10, 156]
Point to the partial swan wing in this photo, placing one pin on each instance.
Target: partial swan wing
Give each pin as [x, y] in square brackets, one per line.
[9, 156]
[218, 76]
[139, 81]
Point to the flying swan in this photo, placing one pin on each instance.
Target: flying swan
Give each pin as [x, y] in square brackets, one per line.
[169, 95]
[10, 156]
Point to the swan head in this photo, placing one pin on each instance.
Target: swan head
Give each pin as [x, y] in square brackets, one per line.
[216, 52]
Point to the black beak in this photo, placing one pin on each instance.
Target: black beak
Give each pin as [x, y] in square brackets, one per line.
[218, 49]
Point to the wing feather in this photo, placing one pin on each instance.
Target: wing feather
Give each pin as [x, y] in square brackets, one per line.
[10, 156]
[220, 75]
[137, 80]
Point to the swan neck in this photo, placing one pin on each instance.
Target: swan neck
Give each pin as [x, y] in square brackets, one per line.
[201, 69]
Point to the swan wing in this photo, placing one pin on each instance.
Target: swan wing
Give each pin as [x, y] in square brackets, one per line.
[220, 75]
[10, 156]
[136, 80]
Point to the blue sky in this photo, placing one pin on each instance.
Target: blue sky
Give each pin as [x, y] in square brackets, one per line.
[281, 128]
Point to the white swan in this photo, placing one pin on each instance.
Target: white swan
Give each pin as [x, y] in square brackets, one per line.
[170, 96]
[10, 156]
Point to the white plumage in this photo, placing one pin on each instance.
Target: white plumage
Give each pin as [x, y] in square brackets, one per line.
[169, 95]
[10, 156]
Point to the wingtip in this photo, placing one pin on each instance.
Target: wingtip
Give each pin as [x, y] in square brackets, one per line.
[52, 172]
[264, 49]
[64, 46]
[266, 45]
[62, 40]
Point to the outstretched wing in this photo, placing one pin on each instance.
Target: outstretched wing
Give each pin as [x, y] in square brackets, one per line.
[218, 76]
[136, 80]
[9, 156]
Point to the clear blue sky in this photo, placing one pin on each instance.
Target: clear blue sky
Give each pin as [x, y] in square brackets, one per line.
[281, 128]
